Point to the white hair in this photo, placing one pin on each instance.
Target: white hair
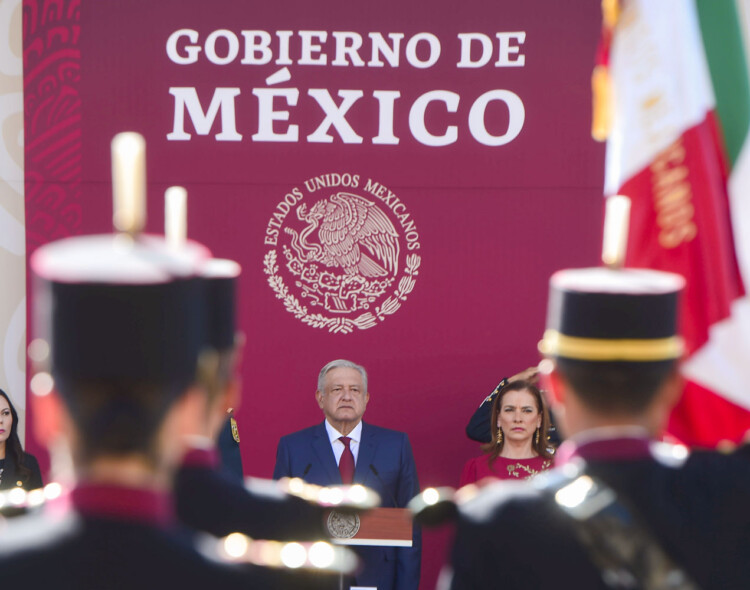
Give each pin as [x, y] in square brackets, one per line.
[341, 363]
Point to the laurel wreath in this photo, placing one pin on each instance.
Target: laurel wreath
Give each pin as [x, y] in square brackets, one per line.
[342, 325]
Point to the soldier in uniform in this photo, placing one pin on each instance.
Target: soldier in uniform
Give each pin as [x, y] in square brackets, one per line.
[621, 510]
[121, 319]
[207, 498]
[230, 456]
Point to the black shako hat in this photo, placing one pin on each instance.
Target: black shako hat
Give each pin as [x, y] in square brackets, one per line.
[613, 315]
[120, 306]
[220, 281]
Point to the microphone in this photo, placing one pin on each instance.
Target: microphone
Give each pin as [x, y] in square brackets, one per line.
[304, 473]
[382, 483]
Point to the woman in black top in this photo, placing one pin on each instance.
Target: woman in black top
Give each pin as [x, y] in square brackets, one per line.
[17, 468]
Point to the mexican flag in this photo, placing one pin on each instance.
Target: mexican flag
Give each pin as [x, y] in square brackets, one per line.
[674, 80]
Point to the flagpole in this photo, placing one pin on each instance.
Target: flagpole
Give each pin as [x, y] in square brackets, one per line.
[616, 225]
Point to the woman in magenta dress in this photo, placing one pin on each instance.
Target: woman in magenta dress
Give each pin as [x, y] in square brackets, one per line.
[519, 448]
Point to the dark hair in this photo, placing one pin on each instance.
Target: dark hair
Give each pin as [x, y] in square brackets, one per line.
[117, 417]
[542, 447]
[615, 387]
[13, 448]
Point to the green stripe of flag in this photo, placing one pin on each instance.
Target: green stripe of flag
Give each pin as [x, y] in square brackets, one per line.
[725, 50]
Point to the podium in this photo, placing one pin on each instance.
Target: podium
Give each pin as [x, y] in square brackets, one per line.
[385, 527]
[382, 527]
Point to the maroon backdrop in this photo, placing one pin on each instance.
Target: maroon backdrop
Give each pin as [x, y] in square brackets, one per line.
[488, 223]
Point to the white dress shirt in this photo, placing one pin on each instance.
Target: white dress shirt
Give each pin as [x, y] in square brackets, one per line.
[338, 447]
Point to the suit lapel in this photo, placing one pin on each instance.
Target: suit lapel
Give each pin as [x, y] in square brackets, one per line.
[365, 456]
[322, 447]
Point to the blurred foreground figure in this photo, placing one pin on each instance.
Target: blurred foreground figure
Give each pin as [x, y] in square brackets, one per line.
[621, 510]
[121, 323]
[207, 498]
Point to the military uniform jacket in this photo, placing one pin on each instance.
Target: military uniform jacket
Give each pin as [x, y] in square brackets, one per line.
[115, 539]
[512, 536]
[230, 457]
[209, 500]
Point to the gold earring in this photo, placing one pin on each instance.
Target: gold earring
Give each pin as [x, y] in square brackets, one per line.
[499, 436]
[536, 437]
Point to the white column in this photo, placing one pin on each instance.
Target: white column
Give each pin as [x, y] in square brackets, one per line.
[12, 229]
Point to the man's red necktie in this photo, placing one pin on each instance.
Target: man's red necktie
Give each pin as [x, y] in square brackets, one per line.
[346, 463]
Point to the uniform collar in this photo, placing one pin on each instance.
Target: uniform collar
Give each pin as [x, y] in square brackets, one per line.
[111, 501]
[201, 453]
[620, 443]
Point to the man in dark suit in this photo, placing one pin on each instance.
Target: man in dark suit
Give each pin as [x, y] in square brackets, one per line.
[344, 449]
[620, 509]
